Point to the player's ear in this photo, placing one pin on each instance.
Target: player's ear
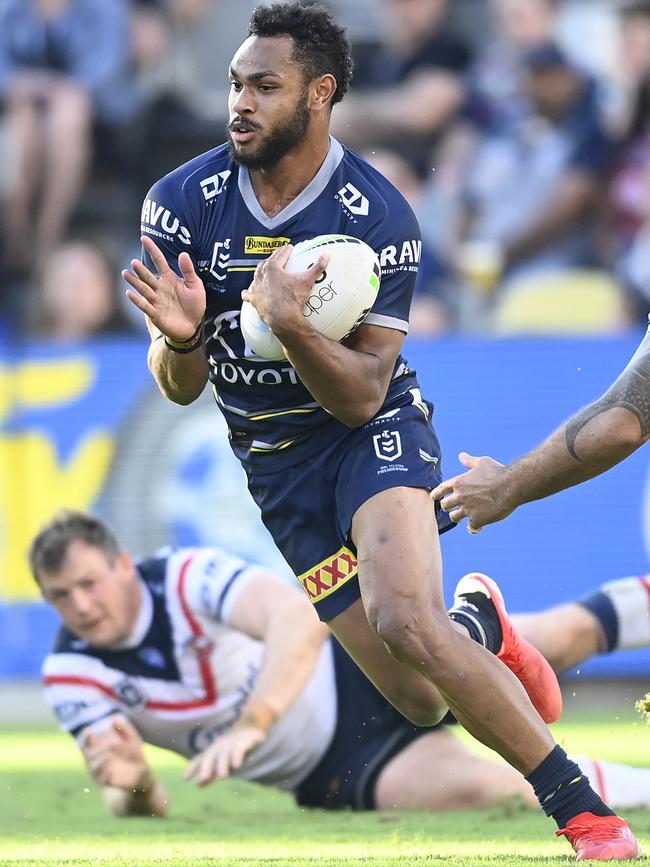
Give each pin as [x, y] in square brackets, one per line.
[322, 91]
[124, 564]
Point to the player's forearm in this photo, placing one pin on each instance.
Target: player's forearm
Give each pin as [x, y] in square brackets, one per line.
[587, 445]
[292, 648]
[181, 377]
[345, 382]
[148, 799]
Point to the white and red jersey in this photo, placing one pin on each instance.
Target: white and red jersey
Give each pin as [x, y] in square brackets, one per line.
[185, 673]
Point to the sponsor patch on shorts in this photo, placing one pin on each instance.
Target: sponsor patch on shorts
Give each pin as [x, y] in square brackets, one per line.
[329, 574]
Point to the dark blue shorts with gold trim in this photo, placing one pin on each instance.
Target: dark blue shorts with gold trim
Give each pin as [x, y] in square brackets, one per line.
[308, 508]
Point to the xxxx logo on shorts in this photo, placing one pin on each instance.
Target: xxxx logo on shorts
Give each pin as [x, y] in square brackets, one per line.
[329, 575]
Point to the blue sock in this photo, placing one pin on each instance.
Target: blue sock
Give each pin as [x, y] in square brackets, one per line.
[602, 607]
[562, 789]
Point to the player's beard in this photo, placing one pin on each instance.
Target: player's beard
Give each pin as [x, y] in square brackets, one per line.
[281, 140]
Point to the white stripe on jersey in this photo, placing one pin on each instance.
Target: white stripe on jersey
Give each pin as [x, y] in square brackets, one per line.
[218, 667]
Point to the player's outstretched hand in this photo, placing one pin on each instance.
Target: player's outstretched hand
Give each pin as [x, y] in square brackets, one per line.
[479, 494]
[114, 757]
[174, 304]
[279, 296]
[225, 754]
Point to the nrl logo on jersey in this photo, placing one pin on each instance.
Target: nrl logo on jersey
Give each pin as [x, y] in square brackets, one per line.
[262, 246]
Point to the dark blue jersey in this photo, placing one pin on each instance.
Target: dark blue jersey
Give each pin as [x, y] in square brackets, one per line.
[208, 208]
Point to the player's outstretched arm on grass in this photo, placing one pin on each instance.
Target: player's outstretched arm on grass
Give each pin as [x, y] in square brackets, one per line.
[115, 760]
[589, 443]
[349, 380]
[274, 612]
[174, 306]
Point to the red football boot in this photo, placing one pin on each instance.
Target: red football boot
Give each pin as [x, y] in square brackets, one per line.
[601, 838]
[524, 661]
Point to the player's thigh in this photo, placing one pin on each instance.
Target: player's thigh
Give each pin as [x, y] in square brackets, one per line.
[404, 687]
[398, 552]
[298, 507]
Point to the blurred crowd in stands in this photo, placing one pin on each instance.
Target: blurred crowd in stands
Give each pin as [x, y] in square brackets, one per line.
[519, 130]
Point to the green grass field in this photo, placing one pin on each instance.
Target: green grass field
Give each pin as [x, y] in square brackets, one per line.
[51, 814]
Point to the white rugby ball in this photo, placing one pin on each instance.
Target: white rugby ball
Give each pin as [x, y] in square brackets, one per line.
[340, 299]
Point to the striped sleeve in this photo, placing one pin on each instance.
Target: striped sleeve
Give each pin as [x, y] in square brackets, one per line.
[78, 692]
[214, 582]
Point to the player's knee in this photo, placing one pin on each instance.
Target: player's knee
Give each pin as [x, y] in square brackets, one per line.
[401, 629]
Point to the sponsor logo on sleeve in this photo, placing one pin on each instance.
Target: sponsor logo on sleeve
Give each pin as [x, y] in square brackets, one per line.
[259, 245]
[400, 257]
[329, 575]
[215, 185]
[160, 221]
[129, 693]
[68, 710]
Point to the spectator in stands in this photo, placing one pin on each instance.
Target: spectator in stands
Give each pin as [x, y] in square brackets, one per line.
[431, 307]
[77, 295]
[629, 196]
[495, 77]
[63, 64]
[411, 88]
[533, 180]
[191, 81]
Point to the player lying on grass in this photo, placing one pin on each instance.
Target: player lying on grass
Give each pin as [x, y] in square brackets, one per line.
[220, 661]
[592, 441]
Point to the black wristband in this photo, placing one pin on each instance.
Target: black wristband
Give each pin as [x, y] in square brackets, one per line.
[184, 347]
[183, 350]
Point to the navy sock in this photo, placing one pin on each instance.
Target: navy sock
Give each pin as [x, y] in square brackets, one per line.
[562, 789]
[476, 612]
[602, 607]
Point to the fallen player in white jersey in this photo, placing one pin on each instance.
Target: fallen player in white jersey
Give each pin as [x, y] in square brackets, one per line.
[216, 659]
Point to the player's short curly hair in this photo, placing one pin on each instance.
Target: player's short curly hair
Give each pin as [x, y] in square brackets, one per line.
[48, 550]
[320, 44]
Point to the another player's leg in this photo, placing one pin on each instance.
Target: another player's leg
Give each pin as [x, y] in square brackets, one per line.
[614, 617]
[480, 608]
[400, 575]
[438, 772]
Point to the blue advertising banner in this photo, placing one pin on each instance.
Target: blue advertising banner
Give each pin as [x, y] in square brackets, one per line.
[85, 427]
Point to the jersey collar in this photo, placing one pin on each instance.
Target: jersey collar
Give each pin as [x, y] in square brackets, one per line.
[311, 192]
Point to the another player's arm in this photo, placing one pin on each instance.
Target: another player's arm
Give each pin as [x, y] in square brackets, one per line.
[174, 307]
[349, 381]
[116, 761]
[279, 615]
[589, 443]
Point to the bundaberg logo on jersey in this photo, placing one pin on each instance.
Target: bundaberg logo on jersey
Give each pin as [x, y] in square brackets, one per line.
[329, 574]
[260, 245]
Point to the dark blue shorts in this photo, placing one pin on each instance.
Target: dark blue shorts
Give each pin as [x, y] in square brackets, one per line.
[369, 733]
[308, 508]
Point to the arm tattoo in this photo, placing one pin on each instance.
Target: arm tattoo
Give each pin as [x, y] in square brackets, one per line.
[631, 391]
